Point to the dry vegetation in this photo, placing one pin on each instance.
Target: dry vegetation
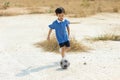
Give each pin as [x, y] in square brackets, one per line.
[52, 45]
[106, 37]
[74, 8]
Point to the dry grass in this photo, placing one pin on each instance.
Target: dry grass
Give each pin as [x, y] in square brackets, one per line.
[77, 46]
[19, 11]
[106, 37]
[52, 45]
[74, 8]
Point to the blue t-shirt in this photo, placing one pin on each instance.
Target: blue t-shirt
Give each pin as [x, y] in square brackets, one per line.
[60, 30]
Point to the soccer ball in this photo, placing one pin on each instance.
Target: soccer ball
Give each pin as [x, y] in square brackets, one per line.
[64, 64]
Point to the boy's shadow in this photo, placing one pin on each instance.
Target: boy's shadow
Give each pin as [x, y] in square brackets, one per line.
[29, 70]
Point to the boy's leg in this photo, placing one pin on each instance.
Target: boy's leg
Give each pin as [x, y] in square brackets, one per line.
[67, 49]
[67, 46]
[64, 48]
[63, 51]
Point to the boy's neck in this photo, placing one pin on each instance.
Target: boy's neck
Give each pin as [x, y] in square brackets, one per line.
[60, 19]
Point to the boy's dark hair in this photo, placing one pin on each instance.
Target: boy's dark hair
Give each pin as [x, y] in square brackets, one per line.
[60, 10]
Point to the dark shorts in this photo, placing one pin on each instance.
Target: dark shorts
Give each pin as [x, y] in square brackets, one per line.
[67, 44]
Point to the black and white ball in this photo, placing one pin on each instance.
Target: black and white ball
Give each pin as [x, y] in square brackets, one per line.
[64, 64]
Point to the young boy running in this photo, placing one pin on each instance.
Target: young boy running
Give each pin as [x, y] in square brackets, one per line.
[62, 30]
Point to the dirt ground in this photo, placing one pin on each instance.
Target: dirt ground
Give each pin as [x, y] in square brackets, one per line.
[21, 60]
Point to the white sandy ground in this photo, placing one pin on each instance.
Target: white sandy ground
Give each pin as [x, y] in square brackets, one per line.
[20, 59]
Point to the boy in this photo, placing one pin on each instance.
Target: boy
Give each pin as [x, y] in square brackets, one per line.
[62, 31]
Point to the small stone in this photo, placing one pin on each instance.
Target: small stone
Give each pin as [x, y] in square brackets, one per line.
[85, 63]
[83, 57]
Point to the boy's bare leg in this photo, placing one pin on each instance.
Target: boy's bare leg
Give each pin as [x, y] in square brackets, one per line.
[67, 49]
[63, 52]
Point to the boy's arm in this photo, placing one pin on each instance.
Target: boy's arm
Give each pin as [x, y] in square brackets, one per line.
[68, 29]
[48, 37]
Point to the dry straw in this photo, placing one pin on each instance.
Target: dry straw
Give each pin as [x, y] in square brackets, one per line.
[52, 45]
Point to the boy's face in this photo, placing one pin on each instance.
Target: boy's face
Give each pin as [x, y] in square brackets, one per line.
[60, 16]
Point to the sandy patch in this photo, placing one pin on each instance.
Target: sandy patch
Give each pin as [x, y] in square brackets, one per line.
[21, 60]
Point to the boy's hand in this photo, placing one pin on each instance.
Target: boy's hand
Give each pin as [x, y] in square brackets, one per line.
[48, 38]
[50, 30]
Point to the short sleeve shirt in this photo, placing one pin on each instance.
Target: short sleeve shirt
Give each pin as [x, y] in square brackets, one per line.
[60, 28]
